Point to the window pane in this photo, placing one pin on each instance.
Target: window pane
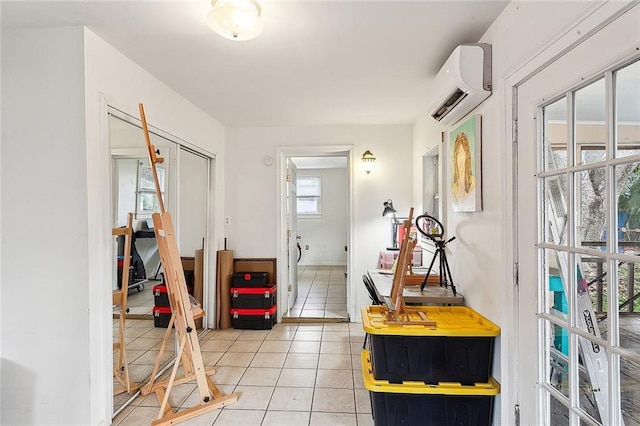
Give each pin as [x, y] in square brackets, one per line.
[555, 135]
[555, 188]
[559, 413]
[628, 195]
[308, 205]
[628, 277]
[308, 186]
[629, 390]
[593, 277]
[146, 177]
[591, 131]
[556, 300]
[557, 368]
[627, 84]
[591, 201]
[147, 203]
[593, 378]
[593, 372]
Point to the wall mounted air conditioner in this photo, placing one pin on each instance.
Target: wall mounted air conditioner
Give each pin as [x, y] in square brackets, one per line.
[462, 84]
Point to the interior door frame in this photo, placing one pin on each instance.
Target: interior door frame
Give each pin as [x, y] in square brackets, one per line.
[597, 18]
[282, 153]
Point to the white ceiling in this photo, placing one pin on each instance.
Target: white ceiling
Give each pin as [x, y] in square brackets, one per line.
[325, 62]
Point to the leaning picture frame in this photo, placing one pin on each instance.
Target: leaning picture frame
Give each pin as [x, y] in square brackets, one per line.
[465, 152]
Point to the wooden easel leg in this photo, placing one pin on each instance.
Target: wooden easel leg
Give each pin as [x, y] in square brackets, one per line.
[149, 386]
[165, 400]
[121, 370]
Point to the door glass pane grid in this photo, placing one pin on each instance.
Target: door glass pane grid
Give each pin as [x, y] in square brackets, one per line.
[627, 107]
[595, 307]
[555, 134]
[590, 124]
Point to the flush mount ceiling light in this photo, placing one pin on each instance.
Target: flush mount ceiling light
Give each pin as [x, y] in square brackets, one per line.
[236, 19]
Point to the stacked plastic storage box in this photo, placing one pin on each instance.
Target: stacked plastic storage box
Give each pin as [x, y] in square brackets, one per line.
[253, 303]
[439, 375]
[161, 306]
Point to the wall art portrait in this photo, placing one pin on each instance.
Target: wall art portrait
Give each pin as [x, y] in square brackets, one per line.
[465, 148]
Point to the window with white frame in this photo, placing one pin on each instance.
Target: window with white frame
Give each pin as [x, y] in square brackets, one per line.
[146, 197]
[309, 192]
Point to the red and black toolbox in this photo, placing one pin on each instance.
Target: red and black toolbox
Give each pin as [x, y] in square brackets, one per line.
[253, 297]
[249, 279]
[161, 316]
[253, 319]
[160, 296]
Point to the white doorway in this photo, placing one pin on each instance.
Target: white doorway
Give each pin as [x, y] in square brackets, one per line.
[317, 245]
[554, 162]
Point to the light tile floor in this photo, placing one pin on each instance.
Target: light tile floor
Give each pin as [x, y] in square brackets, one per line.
[295, 374]
[322, 293]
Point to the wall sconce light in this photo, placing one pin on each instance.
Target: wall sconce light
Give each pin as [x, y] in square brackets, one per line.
[390, 211]
[236, 19]
[367, 160]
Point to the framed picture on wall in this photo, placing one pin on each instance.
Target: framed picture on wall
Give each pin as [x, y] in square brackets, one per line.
[465, 148]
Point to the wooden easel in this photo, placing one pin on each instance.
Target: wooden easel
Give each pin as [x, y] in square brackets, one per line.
[121, 368]
[184, 311]
[398, 313]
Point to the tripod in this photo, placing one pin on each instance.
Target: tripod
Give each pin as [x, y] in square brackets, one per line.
[434, 230]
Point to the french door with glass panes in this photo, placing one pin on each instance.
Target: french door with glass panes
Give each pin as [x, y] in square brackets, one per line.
[578, 215]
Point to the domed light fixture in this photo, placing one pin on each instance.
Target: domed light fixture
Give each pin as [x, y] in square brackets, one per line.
[367, 160]
[236, 19]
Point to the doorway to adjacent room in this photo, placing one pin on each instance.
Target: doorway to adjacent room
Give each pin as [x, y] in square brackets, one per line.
[315, 234]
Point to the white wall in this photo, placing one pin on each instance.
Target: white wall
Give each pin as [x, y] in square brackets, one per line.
[45, 251]
[522, 30]
[55, 84]
[326, 236]
[251, 196]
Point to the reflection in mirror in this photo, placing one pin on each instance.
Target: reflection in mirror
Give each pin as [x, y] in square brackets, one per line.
[431, 182]
[134, 192]
[184, 177]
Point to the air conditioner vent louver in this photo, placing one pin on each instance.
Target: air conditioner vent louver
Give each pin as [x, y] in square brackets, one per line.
[450, 103]
[462, 84]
